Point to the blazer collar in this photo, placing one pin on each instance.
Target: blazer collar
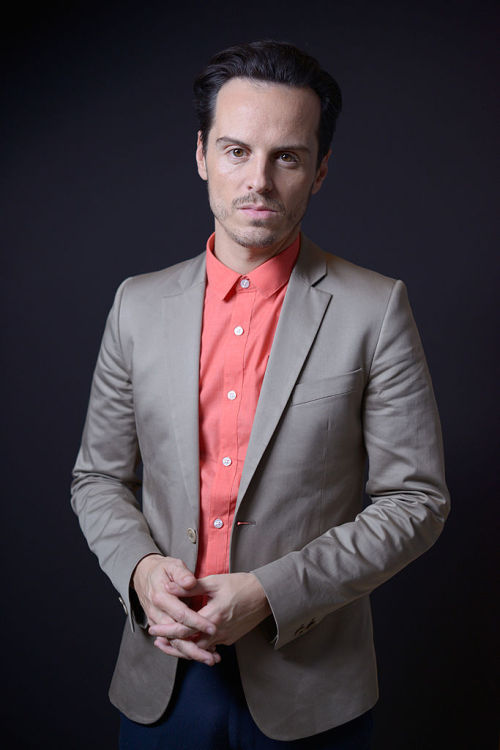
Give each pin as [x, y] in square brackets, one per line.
[182, 314]
[302, 313]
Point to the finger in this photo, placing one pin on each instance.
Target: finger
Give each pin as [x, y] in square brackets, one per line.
[198, 590]
[205, 644]
[163, 644]
[187, 650]
[158, 617]
[185, 616]
[174, 588]
[213, 613]
[178, 573]
[172, 630]
[192, 651]
[179, 612]
[207, 585]
[165, 626]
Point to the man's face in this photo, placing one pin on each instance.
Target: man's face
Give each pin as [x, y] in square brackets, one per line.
[260, 162]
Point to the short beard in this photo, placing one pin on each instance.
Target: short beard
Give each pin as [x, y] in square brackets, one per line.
[248, 239]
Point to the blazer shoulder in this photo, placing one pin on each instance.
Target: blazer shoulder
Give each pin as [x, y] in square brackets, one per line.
[315, 264]
[165, 282]
[342, 274]
[345, 280]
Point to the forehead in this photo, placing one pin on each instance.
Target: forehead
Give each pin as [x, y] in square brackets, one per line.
[259, 109]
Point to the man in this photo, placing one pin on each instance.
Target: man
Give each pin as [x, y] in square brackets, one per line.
[254, 381]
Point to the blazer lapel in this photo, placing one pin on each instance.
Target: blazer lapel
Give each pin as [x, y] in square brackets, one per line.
[182, 315]
[301, 315]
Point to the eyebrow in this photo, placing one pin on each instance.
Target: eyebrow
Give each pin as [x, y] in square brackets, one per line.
[226, 140]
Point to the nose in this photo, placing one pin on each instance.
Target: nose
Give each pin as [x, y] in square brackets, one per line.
[259, 177]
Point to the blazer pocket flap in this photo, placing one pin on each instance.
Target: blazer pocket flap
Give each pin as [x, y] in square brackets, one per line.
[336, 385]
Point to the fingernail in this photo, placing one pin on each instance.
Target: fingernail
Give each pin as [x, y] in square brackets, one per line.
[211, 630]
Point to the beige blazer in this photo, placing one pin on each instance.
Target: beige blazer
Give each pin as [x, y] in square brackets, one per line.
[346, 383]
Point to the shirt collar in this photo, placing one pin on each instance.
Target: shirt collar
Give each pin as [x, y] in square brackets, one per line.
[266, 278]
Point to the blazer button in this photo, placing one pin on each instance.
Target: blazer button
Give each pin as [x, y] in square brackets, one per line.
[191, 535]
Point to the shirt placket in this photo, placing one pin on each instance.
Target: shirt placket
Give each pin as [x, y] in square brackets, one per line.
[225, 486]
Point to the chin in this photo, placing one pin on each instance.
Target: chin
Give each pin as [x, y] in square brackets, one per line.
[255, 239]
[258, 237]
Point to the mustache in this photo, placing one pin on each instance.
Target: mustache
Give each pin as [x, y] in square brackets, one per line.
[270, 203]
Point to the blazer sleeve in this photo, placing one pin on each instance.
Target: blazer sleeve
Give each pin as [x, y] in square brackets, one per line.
[105, 480]
[406, 483]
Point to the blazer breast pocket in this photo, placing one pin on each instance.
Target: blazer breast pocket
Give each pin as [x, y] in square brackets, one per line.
[335, 385]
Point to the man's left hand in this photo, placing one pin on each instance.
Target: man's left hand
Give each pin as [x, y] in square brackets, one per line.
[236, 604]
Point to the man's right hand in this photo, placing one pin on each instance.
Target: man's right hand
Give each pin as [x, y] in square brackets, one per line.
[179, 624]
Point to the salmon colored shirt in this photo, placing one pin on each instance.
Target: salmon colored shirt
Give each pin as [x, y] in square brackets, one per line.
[240, 316]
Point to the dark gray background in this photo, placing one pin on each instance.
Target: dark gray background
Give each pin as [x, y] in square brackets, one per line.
[99, 182]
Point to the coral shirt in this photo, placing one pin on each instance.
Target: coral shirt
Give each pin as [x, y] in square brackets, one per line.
[240, 316]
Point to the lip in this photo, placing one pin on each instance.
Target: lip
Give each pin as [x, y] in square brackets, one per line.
[259, 212]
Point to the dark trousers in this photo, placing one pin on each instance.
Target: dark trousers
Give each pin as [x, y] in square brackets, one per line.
[208, 711]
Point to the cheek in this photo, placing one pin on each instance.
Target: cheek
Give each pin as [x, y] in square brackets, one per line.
[221, 168]
[298, 199]
[294, 188]
[225, 184]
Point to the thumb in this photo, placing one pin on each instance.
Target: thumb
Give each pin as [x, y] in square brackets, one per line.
[177, 573]
[207, 585]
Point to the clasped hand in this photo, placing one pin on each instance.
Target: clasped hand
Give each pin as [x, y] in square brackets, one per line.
[236, 604]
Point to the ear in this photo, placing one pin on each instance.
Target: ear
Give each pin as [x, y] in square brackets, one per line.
[321, 173]
[200, 158]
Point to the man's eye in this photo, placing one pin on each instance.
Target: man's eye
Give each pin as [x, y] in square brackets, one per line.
[287, 158]
[237, 152]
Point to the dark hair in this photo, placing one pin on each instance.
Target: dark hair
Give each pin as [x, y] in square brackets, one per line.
[275, 62]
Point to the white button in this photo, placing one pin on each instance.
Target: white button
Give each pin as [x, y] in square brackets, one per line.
[226, 461]
[231, 395]
[218, 523]
[238, 330]
[244, 283]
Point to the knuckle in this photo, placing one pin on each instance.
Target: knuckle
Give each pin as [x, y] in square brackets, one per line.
[178, 645]
[165, 620]
[217, 619]
[155, 598]
[181, 617]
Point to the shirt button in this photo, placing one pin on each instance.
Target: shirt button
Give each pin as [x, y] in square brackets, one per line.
[244, 283]
[231, 395]
[226, 461]
[218, 523]
[238, 330]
